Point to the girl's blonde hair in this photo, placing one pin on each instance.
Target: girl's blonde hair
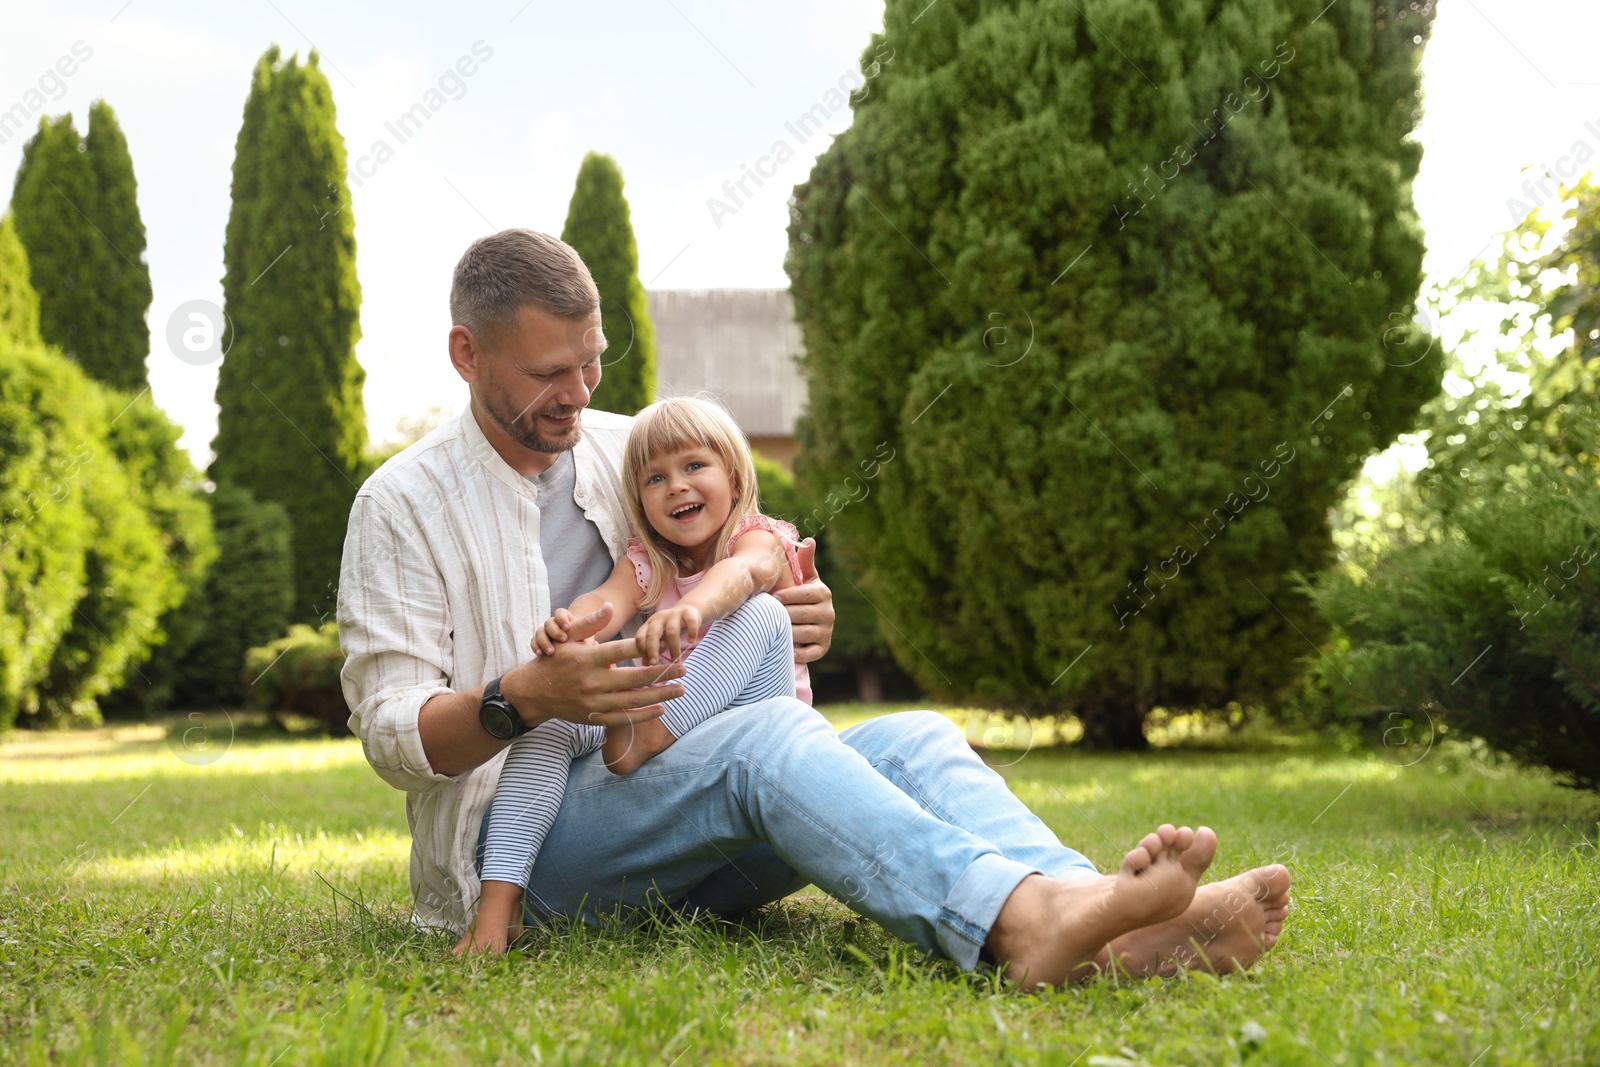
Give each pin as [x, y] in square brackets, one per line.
[668, 426]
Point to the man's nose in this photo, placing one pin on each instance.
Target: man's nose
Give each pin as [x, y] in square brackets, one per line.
[574, 392]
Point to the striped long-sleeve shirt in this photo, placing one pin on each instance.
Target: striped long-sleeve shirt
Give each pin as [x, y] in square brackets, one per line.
[441, 588]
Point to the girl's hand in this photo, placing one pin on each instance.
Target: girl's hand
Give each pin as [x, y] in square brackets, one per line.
[553, 632]
[668, 627]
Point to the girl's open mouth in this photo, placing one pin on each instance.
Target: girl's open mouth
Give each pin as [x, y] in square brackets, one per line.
[688, 513]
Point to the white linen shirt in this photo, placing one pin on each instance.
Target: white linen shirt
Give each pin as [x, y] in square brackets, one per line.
[441, 588]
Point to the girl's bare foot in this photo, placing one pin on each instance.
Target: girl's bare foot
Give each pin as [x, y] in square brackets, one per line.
[1050, 931]
[1227, 927]
[498, 922]
[627, 747]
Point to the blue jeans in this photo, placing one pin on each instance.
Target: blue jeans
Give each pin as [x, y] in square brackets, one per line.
[897, 818]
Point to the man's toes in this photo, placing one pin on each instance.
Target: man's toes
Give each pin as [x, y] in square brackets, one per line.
[1183, 838]
[1198, 856]
[1142, 855]
[1270, 885]
[1166, 832]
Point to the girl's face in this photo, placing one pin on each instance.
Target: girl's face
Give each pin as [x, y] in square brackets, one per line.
[687, 495]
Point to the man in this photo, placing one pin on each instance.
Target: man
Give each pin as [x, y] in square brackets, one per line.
[464, 543]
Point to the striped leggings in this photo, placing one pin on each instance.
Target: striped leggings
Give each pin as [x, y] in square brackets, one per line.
[743, 659]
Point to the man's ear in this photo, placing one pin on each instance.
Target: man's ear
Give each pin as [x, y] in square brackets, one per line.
[466, 353]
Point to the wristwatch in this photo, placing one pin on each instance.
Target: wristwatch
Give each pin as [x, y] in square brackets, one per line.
[500, 720]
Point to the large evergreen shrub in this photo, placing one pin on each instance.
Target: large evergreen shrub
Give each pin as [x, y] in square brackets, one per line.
[243, 602]
[291, 428]
[102, 535]
[1492, 632]
[1113, 279]
[600, 228]
[19, 303]
[859, 663]
[78, 216]
[49, 440]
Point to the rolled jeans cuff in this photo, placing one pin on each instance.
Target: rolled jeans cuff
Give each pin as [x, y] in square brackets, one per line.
[974, 903]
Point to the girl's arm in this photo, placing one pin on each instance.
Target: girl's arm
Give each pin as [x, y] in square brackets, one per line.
[757, 565]
[621, 591]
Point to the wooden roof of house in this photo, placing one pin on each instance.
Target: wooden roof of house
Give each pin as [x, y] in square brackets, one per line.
[738, 345]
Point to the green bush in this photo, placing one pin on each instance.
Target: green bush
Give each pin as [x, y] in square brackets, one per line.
[1494, 630]
[49, 441]
[244, 602]
[19, 304]
[247, 596]
[102, 535]
[299, 673]
[1485, 612]
[1103, 304]
[859, 664]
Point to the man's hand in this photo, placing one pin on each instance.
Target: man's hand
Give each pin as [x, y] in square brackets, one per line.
[578, 682]
[810, 608]
[677, 627]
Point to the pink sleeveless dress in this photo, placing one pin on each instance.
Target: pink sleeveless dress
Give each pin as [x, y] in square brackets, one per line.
[679, 587]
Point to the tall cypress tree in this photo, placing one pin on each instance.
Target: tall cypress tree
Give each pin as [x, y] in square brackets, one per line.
[117, 348]
[291, 426]
[600, 228]
[55, 182]
[1116, 287]
[78, 217]
[19, 304]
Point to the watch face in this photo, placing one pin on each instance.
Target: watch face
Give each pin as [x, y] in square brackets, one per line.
[499, 720]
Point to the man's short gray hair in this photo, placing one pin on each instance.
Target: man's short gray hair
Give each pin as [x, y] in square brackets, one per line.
[516, 268]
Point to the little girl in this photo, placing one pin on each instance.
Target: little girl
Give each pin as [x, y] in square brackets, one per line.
[702, 556]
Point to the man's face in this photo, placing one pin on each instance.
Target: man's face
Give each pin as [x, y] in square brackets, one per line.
[535, 380]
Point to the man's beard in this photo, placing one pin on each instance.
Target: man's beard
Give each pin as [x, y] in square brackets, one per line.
[524, 430]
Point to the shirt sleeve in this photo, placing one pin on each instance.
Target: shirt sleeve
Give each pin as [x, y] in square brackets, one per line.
[395, 629]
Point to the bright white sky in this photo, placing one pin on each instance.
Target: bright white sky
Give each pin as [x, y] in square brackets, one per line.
[681, 92]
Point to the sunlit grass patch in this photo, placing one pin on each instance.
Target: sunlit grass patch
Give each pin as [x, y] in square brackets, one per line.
[268, 852]
[254, 909]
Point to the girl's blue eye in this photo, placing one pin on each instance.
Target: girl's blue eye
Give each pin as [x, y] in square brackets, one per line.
[696, 465]
[652, 479]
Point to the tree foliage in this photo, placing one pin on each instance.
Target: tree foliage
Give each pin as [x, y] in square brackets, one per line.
[858, 658]
[291, 428]
[1121, 311]
[77, 214]
[1492, 630]
[1487, 619]
[299, 673]
[246, 599]
[244, 602]
[600, 228]
[19, 304]
[102, 536]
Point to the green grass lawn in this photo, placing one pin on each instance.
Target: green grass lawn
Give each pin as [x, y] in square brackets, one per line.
[252, 910]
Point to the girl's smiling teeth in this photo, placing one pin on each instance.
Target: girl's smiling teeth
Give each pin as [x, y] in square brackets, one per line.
[687, 512]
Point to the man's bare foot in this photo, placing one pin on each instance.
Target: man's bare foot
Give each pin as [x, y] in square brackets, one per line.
[1050, 930]
[498, 922]
[1227, 927]
[628, 747]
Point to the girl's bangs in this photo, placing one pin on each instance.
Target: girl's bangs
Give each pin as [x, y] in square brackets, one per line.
[670, 426]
